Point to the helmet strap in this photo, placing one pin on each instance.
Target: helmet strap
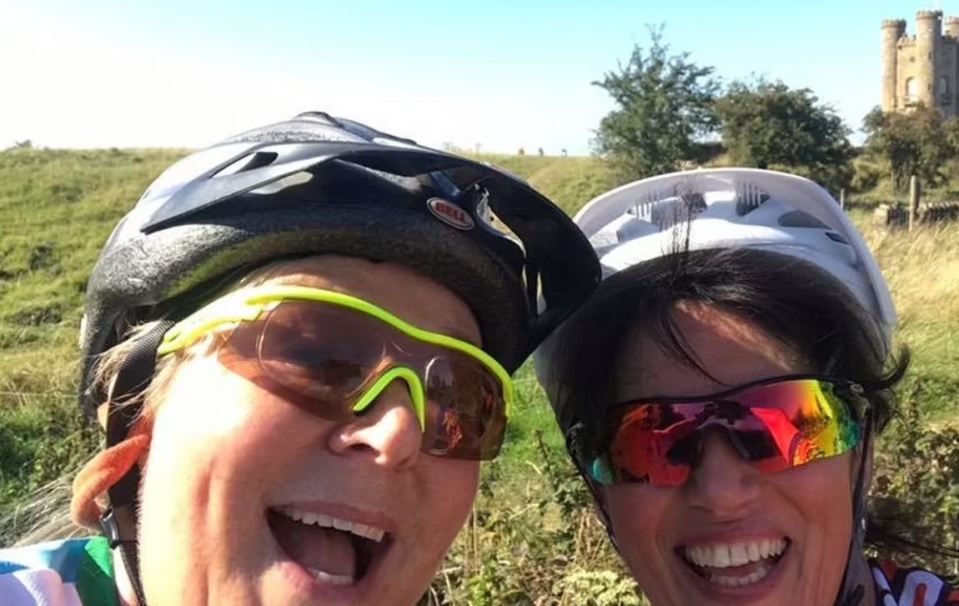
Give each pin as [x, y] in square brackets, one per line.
[852, 591]
[573, 437]
[119, 521]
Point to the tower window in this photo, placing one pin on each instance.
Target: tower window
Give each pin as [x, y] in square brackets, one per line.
[912, 92]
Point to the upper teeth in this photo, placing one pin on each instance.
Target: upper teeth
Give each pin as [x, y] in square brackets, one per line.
[724, 555]
[325, 521]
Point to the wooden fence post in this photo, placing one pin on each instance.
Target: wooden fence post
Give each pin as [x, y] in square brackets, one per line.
[915, 193]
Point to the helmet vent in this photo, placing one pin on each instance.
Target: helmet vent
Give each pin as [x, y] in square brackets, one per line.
[249, 162]
[671, 210]
[749, 197]
[837, 238]
[798, 218]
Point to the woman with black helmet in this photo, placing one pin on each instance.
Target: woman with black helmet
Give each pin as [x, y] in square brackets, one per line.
[299, 344]
[721, 391]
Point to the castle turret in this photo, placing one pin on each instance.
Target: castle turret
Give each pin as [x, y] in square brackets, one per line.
[952, 27]
[928, 42]
[892, 30]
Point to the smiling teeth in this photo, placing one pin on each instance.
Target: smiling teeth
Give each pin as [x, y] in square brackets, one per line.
[726, 555]
[324, 521]
[753, 577]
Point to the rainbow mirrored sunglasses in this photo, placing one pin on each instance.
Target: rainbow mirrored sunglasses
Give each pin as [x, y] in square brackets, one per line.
[334, 354]
[775, 424]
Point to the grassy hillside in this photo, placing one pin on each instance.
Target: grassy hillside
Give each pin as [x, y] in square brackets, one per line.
[58, 207]
[56, 210]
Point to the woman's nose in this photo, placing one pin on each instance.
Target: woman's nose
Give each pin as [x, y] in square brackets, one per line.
[722, 482]
[388, 431]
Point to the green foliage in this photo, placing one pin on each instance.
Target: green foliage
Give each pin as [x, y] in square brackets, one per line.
[767, 124]
[866, 175]
[663, 110]
[533, 537]
[597, 588]
[916, 490]
[915, 143]
[41, 435]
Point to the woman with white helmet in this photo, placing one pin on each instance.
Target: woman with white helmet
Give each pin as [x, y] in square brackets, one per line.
[299, 344]
[721, 391]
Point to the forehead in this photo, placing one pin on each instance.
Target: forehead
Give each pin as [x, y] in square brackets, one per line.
[413, 297]
[732, 349]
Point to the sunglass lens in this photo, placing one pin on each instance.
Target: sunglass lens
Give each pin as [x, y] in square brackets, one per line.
[806, 418]
[319, 352]
[465, 409]
[653, 444]
[775, 426]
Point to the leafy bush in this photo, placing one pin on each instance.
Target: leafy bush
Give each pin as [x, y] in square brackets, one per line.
[597, 588]
[918, 143]
[915, 498]
[766, 124]
[536, 542]
[866, 175]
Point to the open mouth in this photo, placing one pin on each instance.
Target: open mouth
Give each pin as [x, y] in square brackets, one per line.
[737, 564]
[333, 550]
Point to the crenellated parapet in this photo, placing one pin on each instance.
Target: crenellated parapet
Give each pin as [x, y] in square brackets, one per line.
[897, 24]
[952, 27]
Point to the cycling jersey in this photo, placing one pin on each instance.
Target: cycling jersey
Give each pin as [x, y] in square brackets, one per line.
[73, 572]
[897, 586]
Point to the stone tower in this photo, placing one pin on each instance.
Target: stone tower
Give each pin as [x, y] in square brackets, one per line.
[928, 36]
[892, 31]
[923, 68]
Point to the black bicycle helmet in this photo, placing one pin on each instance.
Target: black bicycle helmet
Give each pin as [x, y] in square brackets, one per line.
[322, 185]
[317, 184]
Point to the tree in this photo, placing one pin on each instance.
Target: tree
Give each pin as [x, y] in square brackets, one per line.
[914, 143]
[663, 110]
[768, 125]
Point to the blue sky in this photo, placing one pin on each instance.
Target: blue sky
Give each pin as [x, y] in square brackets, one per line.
[499, 74]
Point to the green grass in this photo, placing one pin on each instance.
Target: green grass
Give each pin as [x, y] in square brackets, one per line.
[56, 210]
[569, 182]
[922, 269]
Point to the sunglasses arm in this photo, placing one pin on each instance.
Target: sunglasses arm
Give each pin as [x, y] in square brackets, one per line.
[574, 448]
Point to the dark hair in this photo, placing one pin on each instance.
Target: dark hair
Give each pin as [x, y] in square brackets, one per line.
[790, 299]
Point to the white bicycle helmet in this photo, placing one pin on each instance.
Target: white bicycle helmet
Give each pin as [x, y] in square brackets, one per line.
[736, 208]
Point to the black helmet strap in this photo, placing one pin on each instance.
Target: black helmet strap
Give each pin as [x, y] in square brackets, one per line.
[119, 521]
[851, 590]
